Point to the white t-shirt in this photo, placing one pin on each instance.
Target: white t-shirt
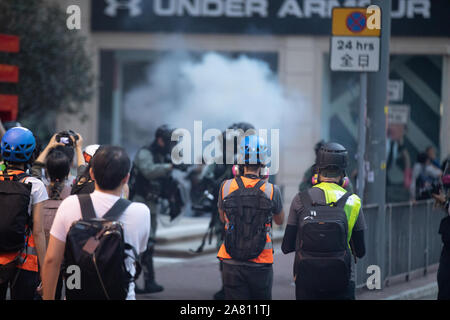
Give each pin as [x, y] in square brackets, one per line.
[135, 221]
[38, 192]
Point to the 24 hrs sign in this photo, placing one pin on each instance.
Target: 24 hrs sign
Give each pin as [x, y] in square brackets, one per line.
[355, 45]
[361, 54]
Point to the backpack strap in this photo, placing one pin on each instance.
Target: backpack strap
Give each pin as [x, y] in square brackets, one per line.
[15, 177]
[306, 200]
[117, 209]
[343, 200]
[259, 184]
[240, 183]
[21, 177]
[135, 257]
[87, 207]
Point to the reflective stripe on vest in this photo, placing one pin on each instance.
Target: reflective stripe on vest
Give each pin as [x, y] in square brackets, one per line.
[333, 193]
[29, 259]
[230, 186]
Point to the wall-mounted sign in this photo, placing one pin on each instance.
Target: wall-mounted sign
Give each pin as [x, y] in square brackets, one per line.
[354, 46]
[311, 17]
[398, 114]
[395, 90]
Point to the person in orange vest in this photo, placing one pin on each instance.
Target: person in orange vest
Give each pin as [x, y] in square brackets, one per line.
[247, 205]
[22, 237]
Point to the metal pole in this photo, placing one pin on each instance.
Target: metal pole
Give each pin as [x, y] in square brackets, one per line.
[427, 243]
[117, 103]
[376, 134]
[362, 135]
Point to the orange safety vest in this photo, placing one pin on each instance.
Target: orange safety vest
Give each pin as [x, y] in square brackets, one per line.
[29, 257]
[230, 186]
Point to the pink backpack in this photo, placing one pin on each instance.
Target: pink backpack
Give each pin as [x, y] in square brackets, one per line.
[50, 208]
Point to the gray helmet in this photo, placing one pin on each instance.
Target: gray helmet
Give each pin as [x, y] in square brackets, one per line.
[332, 156]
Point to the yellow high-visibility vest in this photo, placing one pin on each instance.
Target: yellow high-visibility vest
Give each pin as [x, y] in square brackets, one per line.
[333, 193]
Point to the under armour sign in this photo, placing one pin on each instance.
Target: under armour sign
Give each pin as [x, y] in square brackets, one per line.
[133, 6]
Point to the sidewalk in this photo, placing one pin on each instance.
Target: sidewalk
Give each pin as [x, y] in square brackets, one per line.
[421, 288]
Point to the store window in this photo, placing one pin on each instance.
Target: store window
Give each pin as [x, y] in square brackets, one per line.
[142, 90]
[414, 120]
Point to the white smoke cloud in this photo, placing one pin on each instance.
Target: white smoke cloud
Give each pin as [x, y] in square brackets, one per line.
[215, 89]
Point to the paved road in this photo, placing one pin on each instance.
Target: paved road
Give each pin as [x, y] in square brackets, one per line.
[199, 278]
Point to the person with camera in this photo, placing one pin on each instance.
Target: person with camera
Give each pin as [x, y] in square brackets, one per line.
[151, 166]
[54, 163]
[22, 237]
[442, 200]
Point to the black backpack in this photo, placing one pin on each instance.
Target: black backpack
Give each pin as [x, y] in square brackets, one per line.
[248, 210]
[14, 217]
[97, 247]
[323, 256]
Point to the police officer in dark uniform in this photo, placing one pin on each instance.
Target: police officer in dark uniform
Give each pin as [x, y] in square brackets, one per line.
[151, 166]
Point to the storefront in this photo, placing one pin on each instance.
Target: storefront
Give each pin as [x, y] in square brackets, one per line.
[132, 41]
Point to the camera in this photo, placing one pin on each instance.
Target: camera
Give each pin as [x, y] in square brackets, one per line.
[64, 137]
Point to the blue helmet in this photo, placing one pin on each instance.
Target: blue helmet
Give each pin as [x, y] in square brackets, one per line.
[253, 150]
[18, 145]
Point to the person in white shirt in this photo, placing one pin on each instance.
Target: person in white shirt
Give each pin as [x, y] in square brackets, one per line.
[110, 170]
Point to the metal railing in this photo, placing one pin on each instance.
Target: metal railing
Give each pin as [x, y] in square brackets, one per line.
[412, 243]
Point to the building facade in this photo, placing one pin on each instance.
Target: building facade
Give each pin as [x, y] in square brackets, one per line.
[292, 37]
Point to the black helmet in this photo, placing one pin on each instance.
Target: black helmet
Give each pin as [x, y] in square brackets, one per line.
[163, 132]
[244, 126]
[332, 156]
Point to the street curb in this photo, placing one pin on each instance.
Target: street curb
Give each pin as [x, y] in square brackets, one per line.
[417, 293]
